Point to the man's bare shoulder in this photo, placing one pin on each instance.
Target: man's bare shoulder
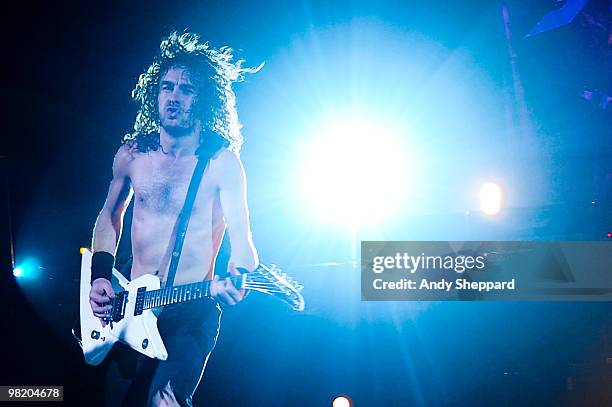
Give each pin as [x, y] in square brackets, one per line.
[123, 159]
[227, 164]
[226, 157]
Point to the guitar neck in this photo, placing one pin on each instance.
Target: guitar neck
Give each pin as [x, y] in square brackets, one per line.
[181, 293]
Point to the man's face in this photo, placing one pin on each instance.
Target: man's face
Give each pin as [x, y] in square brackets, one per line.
[175, 100]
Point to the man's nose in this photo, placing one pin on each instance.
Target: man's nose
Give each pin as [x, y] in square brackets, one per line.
[175, 95]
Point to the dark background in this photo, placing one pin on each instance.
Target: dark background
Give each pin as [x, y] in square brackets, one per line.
[67, 73]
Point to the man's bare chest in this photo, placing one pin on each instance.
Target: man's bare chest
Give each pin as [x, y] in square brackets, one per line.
[161, 186]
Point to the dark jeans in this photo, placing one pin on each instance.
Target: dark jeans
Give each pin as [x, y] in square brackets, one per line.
[189, 332]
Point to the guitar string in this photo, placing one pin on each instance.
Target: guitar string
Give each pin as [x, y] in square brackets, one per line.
[179, 295]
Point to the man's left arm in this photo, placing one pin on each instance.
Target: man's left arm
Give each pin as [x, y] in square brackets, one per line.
[232, 192]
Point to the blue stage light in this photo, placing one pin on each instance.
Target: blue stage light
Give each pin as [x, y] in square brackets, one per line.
[29, 269]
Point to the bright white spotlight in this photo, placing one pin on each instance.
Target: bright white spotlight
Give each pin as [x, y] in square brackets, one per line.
[18, 272]
[354, 173]
[491, 198]
[341, 401]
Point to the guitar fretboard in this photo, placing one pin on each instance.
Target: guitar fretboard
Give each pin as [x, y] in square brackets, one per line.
[176, 294]
[180, 293]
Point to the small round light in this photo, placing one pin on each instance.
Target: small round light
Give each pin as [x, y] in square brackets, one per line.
[342, 401]
[491, 198]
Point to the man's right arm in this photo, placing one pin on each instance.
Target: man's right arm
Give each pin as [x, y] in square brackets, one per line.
[107, 230]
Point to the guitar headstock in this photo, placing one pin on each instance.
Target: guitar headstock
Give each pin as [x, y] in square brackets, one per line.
[273, 281]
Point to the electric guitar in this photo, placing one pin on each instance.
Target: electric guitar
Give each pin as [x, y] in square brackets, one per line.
[132, 319]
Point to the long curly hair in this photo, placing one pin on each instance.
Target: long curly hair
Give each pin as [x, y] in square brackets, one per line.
[213, 71]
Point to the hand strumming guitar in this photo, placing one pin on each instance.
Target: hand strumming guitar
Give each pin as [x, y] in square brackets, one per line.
[100, 298]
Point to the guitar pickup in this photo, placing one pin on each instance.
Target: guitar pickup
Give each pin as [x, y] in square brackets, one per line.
[140, 297]
[119, 304]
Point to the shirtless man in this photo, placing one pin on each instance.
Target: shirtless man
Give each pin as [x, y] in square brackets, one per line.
[186, 104]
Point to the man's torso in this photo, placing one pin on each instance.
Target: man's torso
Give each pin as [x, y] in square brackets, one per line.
[160, 183]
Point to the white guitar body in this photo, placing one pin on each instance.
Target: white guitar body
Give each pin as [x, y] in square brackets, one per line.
[139, 332]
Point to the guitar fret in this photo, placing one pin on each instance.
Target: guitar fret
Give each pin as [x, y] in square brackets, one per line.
[173, 295]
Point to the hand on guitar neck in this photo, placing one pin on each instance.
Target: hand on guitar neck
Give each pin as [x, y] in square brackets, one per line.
[224, 291]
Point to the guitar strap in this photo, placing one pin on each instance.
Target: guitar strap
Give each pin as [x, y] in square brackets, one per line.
[204, 156]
